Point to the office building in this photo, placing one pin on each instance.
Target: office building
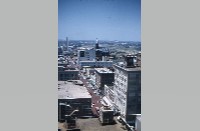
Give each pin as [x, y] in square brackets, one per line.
[100, 51]
[86, 54]
[127, 89]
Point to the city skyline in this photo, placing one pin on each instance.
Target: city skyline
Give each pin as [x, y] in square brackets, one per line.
[103, 19]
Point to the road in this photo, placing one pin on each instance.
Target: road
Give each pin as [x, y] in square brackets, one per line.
[95, 97]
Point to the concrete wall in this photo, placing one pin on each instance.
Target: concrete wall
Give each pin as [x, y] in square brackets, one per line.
[82, 104]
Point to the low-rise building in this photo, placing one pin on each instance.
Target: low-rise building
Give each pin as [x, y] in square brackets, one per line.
[72, 96]
[104, 76]
[106, 115]
[66, 73]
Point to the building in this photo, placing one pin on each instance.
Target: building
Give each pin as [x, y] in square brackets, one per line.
[63, 63]
[97, 44]
[86, 54]
[106, 115]
[60, 50]
[96, 63]
[66, 73]
[127, 89]
[72, 96]
[104, 76]
[67, 43]
[109, 93]
[138, 122]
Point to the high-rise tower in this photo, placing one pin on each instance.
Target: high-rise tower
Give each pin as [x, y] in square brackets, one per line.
[97, 44]
[67, 43]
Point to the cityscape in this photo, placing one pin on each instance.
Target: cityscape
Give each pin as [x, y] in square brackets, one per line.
[99, 78]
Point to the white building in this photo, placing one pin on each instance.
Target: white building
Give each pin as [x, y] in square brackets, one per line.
[86, 54]
[127, 91]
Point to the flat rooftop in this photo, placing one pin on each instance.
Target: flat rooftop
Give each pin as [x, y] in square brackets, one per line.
[103, 70]
[68, 68]
[69, 90]
[126, 68]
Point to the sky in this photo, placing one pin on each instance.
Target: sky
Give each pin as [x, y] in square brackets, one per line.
[102, 19]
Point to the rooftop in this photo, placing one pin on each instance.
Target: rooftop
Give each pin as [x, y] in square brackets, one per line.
[63, 68]
[123, 67]
[103, 70]
[69, 90]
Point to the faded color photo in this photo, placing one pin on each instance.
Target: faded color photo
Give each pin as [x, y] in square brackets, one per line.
[99, 65]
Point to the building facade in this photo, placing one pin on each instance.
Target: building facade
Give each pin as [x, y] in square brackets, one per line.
[65, 73]
[104, 77]
[127, 91]
[76, 97]
[86, 54]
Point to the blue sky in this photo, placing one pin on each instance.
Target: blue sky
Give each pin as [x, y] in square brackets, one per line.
[102, 19]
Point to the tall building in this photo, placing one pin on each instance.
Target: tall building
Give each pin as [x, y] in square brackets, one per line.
[100, 51]
[67, 43]
[127, 89]
[60, 51]
[97, 44]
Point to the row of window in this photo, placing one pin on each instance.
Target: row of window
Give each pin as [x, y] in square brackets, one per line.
[67, 75]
